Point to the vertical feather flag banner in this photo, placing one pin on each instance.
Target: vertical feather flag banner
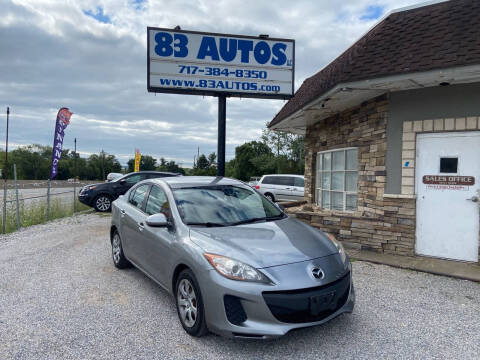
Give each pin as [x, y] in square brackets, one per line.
[138, 156]
[63, 120]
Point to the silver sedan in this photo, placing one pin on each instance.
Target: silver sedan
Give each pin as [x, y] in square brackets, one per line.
[236, 264]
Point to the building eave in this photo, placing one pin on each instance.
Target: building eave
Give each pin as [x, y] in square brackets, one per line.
[348, 95]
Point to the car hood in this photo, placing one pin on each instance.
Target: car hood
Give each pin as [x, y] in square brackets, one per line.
[265, 244]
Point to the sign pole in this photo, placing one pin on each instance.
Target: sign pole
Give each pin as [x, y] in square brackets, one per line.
[222, 116]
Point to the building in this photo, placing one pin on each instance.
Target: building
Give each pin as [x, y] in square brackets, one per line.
[393, 135]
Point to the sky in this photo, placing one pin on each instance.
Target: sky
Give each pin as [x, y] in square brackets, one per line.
[90, 56]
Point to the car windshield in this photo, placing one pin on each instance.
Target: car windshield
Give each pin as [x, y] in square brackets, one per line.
[223, 205]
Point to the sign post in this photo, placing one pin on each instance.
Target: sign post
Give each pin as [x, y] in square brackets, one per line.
[221, 65]
[222, 119]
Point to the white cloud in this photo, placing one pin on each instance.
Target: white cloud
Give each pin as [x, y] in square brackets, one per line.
[54, 55]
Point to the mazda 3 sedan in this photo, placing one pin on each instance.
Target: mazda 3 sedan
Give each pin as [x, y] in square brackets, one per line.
[236, 264]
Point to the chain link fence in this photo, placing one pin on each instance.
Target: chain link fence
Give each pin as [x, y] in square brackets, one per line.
[29, 203]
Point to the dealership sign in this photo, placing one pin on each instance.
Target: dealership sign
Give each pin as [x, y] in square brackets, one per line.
[189, 62]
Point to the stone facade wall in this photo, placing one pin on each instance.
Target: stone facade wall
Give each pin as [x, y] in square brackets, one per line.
[382, 223]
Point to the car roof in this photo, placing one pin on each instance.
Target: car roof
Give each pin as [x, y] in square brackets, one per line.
[296, 175]
[192, 181]
[153, 172]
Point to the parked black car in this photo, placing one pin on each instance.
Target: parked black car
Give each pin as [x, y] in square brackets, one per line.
[100, 196]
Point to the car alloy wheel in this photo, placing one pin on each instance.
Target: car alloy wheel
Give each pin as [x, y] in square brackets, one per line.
[116, 249]
[103, 203]
[270, 197]
[187, 303]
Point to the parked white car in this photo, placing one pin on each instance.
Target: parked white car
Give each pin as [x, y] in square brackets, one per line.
[282, 187]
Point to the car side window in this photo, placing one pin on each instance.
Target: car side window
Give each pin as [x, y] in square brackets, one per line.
[299, 182]
[133, 179]
[157, 202]
[138, 195]
[269, 180]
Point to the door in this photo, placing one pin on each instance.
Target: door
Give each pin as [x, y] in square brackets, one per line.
[298, 188]
[122, 186]
[155, 242]
[283, 186]
[447, 181]
[132, 219]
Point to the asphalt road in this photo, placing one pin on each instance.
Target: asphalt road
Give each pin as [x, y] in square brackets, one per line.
[29, 197]
[61, 298]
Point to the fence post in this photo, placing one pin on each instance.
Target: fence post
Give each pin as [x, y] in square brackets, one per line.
[16, 194]
[4, 223]
[48, 201]
[74, 197]
[75, 181]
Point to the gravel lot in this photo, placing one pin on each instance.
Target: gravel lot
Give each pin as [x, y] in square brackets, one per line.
[61, 297]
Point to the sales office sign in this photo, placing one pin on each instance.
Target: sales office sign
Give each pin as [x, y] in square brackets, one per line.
[442, 182]
[189, 62]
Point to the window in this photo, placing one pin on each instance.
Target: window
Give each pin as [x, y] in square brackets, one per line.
[278, 180]
[336, 182]
[133, 179]
[138, 195]
[448, 165]
[157, 203]
[222, 204]
[299, 182]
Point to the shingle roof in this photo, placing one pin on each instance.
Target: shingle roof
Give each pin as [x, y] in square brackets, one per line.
[431, 37]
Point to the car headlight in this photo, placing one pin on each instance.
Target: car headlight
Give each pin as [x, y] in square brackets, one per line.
[234, 269]
[341, 250]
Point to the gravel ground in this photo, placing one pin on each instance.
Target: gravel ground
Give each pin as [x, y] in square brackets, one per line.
[62, 298]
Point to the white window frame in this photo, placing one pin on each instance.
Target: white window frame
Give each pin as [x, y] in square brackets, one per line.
[319, 180]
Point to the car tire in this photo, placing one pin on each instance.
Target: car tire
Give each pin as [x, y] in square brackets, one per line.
[270, 197]
[190, 309]
[118, 257]
[102, 203]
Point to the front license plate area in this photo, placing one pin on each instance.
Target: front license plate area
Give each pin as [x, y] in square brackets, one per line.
[319, 303]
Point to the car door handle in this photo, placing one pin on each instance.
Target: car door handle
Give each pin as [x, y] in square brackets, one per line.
[122, 212]
[141, 226]
[288, 188]
[473, 198]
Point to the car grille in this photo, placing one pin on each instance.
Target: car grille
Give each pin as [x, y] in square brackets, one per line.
[234, 310]
[294, 306]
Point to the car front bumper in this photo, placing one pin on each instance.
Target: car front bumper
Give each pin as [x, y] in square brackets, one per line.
[254, 318]
[85, 198]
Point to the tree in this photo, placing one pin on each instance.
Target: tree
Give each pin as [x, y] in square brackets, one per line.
[289, 150]
[205, 166]
[147, 163]
[170, 166]
[250, 159]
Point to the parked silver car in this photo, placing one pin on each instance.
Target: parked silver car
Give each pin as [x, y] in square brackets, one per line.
[283, 187]
[235, 263]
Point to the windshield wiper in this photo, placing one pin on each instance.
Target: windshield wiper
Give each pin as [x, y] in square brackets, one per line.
[265, 218]
[207, 224]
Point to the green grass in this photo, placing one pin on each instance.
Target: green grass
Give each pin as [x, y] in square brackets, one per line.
[36, 213]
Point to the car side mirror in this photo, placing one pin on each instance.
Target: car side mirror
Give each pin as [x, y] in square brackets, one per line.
[157, 220]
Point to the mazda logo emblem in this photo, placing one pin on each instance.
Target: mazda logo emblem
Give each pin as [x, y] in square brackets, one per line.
[318, 273]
